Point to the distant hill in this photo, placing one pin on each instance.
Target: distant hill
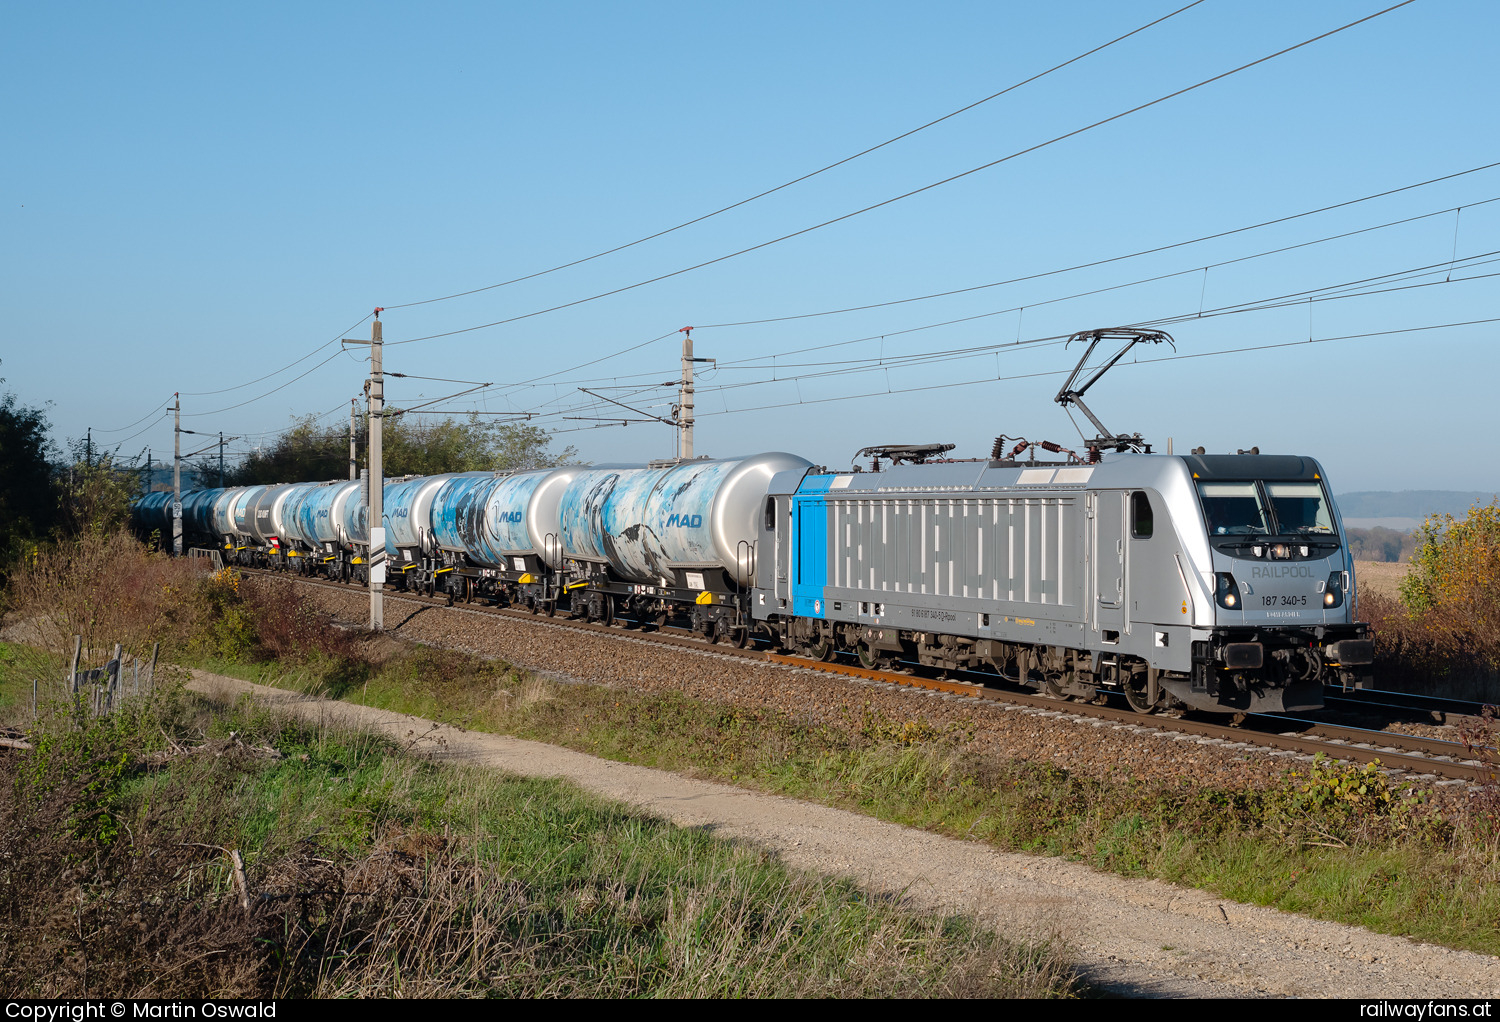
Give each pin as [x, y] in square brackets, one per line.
[1414, 504]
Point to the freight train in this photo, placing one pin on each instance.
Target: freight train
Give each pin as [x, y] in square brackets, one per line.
[1220, 583]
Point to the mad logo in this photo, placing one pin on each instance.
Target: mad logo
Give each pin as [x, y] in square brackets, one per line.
[510, 516]
[684, 521]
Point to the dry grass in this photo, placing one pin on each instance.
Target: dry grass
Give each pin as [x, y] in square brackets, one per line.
[370, 874]
[107, 589]
[1382, 577]
[1434, 652]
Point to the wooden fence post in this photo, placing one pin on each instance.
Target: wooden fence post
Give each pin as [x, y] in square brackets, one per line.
[73, 673]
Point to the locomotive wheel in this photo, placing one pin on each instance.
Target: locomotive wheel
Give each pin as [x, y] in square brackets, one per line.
[870, 660]
[821, 650]
[1051, 687]
[1134, 688]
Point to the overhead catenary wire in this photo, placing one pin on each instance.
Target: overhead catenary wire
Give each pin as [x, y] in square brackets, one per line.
[282, 386]
[916, 191]
[749, 362]
[804, 177]
[757, 362]
[1064, 372]
[137, 422]
[1258, 305]
[260, 379]
[1102, 262]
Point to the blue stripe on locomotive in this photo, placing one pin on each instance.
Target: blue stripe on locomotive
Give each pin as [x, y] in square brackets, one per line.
[810, 540]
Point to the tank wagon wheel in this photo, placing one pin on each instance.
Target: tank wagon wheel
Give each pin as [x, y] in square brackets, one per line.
[728, 632]
[607, 610]
[659, 618]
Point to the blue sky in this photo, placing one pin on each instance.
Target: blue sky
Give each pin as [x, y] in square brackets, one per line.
[195, 196]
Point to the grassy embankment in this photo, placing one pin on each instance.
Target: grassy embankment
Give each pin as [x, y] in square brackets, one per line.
[370, 872]
[1335, 842]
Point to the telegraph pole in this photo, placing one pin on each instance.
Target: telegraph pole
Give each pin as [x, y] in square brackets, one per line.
[353, 462]
[88, 450]
[377, 481]
[685, 398]
[177, 475]
[221, 459]
[684, 410]
[375, 559]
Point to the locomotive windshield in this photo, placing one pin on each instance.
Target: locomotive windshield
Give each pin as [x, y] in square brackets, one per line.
[1263, 509]
[1234, 509]
[1300, 508]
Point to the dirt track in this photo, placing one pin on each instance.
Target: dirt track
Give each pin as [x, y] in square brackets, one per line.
[1140, 938]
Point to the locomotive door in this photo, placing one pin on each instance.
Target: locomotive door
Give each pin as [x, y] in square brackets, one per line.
[1109, 563]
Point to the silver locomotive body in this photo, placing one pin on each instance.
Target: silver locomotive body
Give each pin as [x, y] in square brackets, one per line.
[1216, 582]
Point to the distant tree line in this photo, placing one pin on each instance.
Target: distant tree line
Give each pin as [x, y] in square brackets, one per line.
[49, 492]
[46, 492]
[409, 446]
[1382, 544]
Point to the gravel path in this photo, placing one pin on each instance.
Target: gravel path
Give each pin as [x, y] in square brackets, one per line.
[1141, 938]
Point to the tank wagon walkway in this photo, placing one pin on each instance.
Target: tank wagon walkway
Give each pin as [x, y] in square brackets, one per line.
[1131, 937]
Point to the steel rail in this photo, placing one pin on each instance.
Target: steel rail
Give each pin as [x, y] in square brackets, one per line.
[1453, 765]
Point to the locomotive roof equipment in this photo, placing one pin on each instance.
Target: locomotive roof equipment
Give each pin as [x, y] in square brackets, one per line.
[1068, 394]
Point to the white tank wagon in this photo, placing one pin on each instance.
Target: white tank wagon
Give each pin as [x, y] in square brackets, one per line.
[497, 536]
[642, 540]
[1216, 582]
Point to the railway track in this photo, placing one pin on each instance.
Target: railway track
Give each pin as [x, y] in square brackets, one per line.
[1429, 709]
[1424, 757]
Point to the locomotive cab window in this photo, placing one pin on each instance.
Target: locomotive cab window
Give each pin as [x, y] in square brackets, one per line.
[1300, 508]
[1234, 509]
[770, 514]
[1141, 522]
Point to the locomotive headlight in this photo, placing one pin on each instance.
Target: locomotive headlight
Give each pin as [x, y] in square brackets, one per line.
[1280, 552]
[1333, 592]
[1227, 591]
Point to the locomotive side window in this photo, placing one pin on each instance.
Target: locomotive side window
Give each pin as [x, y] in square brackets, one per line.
[770, 514]
[1141, 522]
